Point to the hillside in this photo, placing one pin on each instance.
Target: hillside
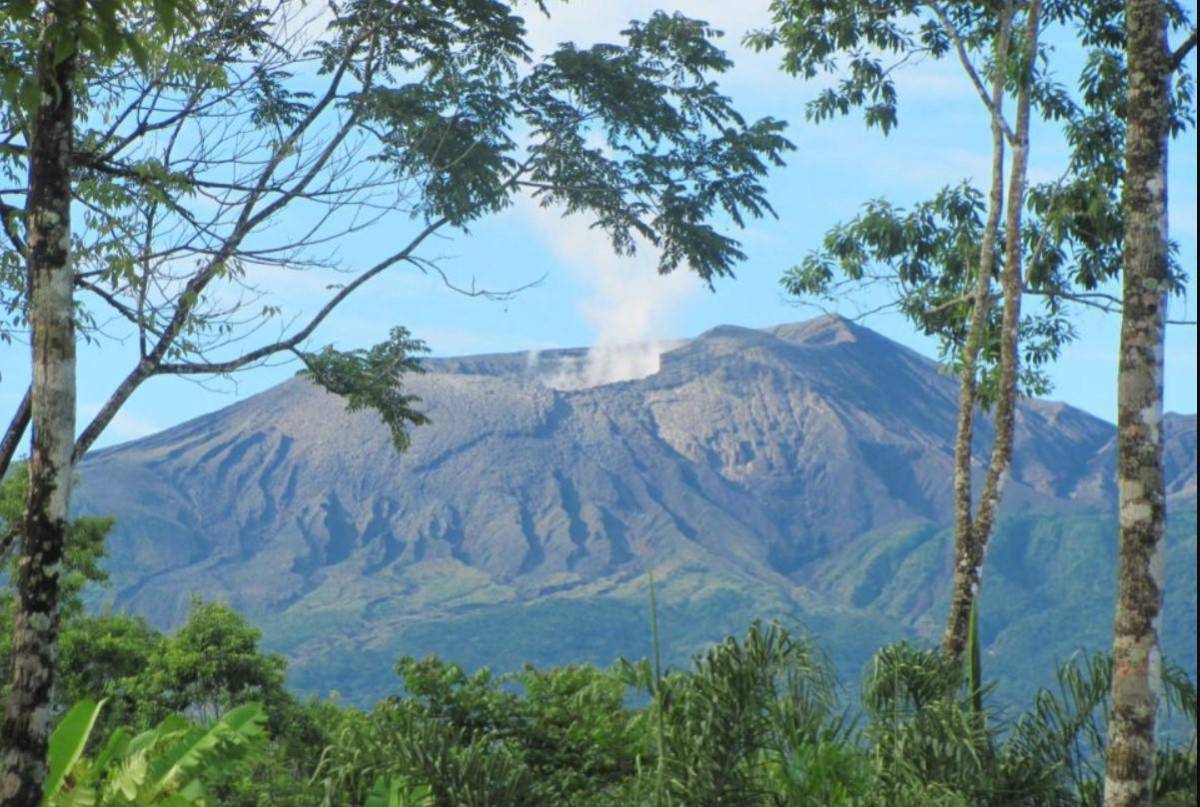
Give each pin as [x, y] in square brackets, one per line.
[802, 470]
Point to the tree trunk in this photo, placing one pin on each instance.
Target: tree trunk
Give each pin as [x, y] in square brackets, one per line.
[1141, 491]
[48, 233]
[968, 376]
[971, 541]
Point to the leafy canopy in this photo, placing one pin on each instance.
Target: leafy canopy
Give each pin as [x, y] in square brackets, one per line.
[926, 254]
[237, 145]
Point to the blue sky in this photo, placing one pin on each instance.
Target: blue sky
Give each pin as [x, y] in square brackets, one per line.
[589, 296]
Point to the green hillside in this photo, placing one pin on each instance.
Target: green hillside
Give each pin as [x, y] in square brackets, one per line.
[1048, 593]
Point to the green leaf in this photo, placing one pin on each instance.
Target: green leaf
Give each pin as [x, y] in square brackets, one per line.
[223, 740]
[114, 748]
[165, 10]
[974, 662]
[64, 48]
[19, 9]
[30, 95]
[399, 792]
[67, 743]
[371, 379]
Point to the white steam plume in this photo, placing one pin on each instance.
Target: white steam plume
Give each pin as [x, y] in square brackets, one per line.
[629, 305]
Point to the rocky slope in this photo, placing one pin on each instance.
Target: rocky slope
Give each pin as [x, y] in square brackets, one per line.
[763, 465]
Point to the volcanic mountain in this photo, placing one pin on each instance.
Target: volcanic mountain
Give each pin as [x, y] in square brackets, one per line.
[798, 471]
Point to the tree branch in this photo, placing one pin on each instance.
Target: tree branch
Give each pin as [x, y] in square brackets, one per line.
[292, 342]
[1175, 61]
[972, 73]
[6, 210]
[16, 430]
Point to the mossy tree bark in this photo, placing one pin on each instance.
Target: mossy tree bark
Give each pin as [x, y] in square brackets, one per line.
[1141, 491]
[52, 404]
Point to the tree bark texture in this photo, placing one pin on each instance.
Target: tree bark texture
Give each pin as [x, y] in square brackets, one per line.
[1141, 491]
[971, 545]
[48, 233]
[965, 427]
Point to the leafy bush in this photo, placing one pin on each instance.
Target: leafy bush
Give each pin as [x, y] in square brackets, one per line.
[755, 720]
[169, 764]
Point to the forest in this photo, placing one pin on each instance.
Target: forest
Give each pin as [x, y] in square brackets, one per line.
[159, 156]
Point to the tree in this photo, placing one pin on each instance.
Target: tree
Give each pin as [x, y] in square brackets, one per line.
[425, 123]
[84, 550]
[1137, 664]
[208, 666]
[245, 140]
[212, 663]
[811, 33]
[1057, 240]
[105, 655]
[52, 408]
[61, 25]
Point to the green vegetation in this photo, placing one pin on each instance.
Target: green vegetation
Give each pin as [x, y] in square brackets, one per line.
[1049, 582]
[201, 715]
[756, 720]
[166, 764]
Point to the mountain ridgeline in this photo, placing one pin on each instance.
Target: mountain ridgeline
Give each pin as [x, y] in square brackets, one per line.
[801, 472]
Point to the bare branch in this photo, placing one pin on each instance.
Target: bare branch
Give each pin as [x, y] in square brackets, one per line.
[292, 342]
[487, 294]
[1180, 53]
[15, 431]
[1101, 301]
[961, 48]
[153, 363]
[6, 212]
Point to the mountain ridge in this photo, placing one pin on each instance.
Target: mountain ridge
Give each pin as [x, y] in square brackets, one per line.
[753, 464]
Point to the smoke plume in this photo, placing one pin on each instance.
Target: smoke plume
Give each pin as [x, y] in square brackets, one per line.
[630, 307]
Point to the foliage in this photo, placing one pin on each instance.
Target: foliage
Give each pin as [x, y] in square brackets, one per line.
[85, 549]
[566, 738]
[397, 791]
[753, 720]
[107, 656]
[233, 143]
[209, 665]
[931, 255]
[84, 552]
[927, 254]
[171, 763]
[367, 380]
[104, 28]
[745, 701]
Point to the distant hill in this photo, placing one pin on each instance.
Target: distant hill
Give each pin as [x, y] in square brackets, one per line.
[799, 471]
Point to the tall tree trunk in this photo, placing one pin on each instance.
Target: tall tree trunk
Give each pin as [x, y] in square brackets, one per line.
[48, 233]
[971, 542]
[1141, 491]
[968, 376]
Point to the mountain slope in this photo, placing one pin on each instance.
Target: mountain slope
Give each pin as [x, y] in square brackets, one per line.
[747, 471]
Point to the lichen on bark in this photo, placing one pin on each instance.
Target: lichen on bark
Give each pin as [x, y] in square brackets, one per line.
[1140, 485]
[25, 733]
